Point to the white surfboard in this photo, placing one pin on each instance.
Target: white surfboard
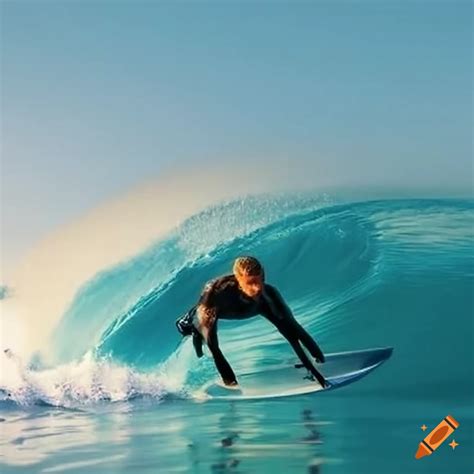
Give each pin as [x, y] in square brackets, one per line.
[286, 380]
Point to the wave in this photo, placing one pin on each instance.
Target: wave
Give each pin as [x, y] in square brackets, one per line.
[356, 274]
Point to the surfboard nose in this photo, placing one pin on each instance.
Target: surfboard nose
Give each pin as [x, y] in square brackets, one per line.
[378, 355]
[343, 362]
[384, 352]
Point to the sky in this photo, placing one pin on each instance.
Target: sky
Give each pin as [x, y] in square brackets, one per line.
[98, 97]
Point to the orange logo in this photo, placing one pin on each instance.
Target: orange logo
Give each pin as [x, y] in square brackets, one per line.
[437, 437]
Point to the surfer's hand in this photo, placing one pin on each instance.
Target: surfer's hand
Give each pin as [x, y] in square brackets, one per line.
[320, 359]
[231, 383]
[324, 383]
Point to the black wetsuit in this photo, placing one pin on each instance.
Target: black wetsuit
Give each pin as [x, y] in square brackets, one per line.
[223, 299]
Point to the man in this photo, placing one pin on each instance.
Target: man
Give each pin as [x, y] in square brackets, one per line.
[240, 296]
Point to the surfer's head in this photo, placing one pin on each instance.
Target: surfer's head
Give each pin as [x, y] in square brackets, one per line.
[250, 275]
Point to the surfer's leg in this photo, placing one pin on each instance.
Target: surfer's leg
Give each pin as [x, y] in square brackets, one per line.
[185, 324]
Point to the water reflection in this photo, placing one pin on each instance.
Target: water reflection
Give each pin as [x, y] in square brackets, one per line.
[251, 437]
[176, 436]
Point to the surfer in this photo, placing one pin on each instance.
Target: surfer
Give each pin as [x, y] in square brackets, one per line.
[242, 295]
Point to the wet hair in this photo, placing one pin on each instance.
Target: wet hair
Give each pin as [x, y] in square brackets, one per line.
[248, 266]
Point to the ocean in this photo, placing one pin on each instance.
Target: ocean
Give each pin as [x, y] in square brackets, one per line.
[115, 393]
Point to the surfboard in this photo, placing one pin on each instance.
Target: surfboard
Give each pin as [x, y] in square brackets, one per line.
[284, 380]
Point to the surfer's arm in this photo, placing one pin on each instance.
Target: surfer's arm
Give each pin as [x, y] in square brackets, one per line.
[283, 313]
[291, 336]
[207, 318]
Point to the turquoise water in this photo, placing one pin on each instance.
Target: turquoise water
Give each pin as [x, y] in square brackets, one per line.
[117, 394]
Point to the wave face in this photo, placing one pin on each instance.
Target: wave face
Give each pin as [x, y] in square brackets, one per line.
[356, 274]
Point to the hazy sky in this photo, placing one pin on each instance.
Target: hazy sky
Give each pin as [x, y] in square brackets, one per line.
[98, 96]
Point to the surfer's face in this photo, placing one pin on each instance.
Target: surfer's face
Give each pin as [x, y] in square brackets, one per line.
[251, 285]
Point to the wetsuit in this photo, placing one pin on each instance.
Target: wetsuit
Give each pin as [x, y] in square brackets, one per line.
[223, 299]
